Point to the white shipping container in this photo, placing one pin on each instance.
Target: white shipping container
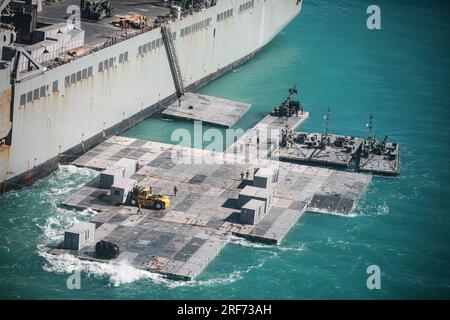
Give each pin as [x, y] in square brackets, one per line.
[79, 235]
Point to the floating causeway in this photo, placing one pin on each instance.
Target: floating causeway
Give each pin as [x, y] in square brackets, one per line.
[302, 149]
[268, 130]
[341, 151]
[212, 110]
[180, 241]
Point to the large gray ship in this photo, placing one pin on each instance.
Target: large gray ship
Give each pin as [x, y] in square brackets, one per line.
[74, 73]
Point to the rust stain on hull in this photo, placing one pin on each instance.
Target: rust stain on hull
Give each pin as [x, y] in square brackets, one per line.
[4, 163]
[5, 113]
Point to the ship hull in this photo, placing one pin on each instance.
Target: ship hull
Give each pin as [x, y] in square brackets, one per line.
[41, 171]
[52, 131]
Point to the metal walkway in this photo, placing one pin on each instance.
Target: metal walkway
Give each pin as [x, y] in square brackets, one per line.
[173, 60]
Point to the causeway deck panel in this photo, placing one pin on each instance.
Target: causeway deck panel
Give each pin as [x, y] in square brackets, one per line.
[181, 240]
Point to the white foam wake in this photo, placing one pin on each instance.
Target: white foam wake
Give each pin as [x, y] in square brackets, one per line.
[257, 245]
[123, 273]
[373, 209]
[117, 274]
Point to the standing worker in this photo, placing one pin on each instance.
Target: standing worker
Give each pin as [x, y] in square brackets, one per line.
[175, 190]
[139, 211]
[246, 175]
[242, 175]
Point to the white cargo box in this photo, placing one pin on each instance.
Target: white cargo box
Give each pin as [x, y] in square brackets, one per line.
[110, 175]
[79, 235]
[249, 193]
[120, 190]
[265, 177]
[252, 212]
[129, 165]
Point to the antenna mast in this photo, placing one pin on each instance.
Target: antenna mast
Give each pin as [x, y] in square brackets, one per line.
[326, 117]
[369, 125]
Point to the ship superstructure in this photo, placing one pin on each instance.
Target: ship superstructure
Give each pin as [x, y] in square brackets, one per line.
[66, 84]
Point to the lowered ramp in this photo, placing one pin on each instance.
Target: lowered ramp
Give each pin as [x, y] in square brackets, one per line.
[212, 110]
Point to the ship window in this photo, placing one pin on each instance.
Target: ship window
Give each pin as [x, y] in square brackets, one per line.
[149, 46]
[153, 44]
[23, 99]
[144, 49]
[36, 94]
[67, 81]
[90, 72]
[105, 64]
[100, 67]
[78, 75]
[174, 36]
[73, 78]
[55, 86]
[125, 56]
[84, 74]
[121, 58]
[111, 62]
[139, 50]
[157, 43]
[42, 93]
[30, 96]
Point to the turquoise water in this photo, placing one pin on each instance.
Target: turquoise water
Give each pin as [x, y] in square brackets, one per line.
[399, 74]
